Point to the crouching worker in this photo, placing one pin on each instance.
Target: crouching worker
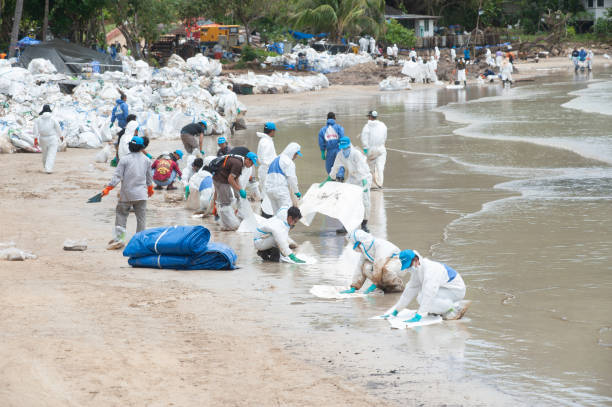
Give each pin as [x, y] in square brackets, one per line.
[439, 289]
[272, 236]
[134, 173]
[165, 169]
[378, 261]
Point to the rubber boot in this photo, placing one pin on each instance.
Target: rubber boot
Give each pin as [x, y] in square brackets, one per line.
[364, 226]
[341, 231]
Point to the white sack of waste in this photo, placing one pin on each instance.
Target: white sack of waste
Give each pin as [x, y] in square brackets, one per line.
[329, 198]
[176, 61]
[394, 83]
[204, 66]
[41, 66]
[105, 154]
[9, 252]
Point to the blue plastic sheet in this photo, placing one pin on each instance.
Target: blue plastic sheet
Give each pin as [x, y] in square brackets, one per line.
[216, 257]
[173, 240]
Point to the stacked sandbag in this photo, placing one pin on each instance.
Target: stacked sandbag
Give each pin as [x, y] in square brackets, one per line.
[281, 82]
[322, 62]
[179, 248]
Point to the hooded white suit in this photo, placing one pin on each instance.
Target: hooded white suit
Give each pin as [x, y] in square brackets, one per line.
[358, 171]
[274, 232]
[281, 180]
[378, 261]
[373, 139]
[48, 132]
[436, 288]
[265, 154]
[123, 149]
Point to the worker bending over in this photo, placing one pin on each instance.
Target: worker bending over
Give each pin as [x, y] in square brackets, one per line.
[272, 236]
[378, 261]
[438, 288]
[281, 180]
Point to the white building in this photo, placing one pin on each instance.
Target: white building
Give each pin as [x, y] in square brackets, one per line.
[597, 7]
[422, 25]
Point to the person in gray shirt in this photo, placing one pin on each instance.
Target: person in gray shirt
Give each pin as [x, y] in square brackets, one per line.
[134, 173]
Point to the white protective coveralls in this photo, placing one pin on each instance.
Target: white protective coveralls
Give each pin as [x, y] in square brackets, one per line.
[281, 181]
[429, 283]
[372, 45]
[432, 67]
[357, 167]
[123, 149]
[453, 54]
[378, 261]
[389, 52]
[274, 232]
[506, 71]
[266, 153]
[363, 45]
[489, 58]
[437, 53]
[413, 71]
[395, 50]
[373, 138]
[412, 54]
[48, 132]
[201, 192]
[590, 57]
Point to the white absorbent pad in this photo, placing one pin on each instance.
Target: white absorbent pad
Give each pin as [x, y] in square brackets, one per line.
[336, 200]
[333, 292]
[397, 322]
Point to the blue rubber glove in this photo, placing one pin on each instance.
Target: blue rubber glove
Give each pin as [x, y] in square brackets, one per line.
[370, 289]
[323, 155]
[298, 194]
[416, 318]
[295, 259]
[324, 182]
[242, 193]
[349, 291]
[187, 192]
[394, 313]
[365, 151]
[202, 152]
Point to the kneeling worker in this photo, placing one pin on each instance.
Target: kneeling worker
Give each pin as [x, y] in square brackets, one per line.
[438, 288]
[272, 236]
[376, 262]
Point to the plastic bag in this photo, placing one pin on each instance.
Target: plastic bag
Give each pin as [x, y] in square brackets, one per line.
[105, 154]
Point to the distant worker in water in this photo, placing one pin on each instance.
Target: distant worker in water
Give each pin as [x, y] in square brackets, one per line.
[373, 139]
[439, 289]
[378, 261]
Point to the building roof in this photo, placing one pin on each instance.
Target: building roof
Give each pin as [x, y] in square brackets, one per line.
[391, 12]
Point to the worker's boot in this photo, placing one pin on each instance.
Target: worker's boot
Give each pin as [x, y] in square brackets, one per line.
[341, 231]
[364, 226]
[458, 311]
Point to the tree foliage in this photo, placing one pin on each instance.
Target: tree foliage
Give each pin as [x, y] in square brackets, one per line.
[340, 18]
[400, 35]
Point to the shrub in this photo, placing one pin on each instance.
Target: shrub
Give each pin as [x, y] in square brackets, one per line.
[400, 35]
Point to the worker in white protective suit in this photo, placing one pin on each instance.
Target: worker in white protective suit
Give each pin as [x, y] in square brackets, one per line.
[590, 57]
[47, 134]
[363, 45]
[373, 139]
[373, 49]
[356, 164]
[438, 288]
[378, 261]
[266, 153]
[131, 130]
[389, 52]
[437, 53]
[281, 181]
[489, 58]
[506, 71]
[412, 55]
[432, 68]
[395, 51]
[271, 238]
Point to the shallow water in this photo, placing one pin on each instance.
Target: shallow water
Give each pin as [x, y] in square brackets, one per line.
[513, 188]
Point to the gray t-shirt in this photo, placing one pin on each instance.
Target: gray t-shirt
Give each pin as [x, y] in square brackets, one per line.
[134, 173]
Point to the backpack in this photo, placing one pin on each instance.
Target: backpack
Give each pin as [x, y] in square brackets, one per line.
[219, 162]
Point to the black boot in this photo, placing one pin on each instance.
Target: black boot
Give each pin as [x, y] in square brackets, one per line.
[364, 226]
[341, 231]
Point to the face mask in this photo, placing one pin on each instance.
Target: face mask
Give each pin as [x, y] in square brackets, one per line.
[346, 152]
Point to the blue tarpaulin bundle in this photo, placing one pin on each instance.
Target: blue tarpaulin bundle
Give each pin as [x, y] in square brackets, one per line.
[179, 248]
[305, 36]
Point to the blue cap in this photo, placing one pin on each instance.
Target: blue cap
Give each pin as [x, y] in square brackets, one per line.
[203, 123]
[270, 126]
[179, 153]
[221, 140]
[344, 142]
[406, 257]
[252, 156]
[139, 141]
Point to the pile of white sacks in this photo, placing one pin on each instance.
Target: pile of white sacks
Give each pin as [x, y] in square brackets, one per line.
[164, 100]
[322, 62]
[281, 82]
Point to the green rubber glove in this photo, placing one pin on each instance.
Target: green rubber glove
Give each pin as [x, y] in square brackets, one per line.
[298, 194]
[149, 156]
[416, 318]
[323, 155]
[187, 192]
[364, 182]
[111, 125]
[365, 151]
[202, 152]
[370, 289]
[242, 193]
[386, 316]
[324, 182]
[295, 259]
[349, 291]
[114, 162]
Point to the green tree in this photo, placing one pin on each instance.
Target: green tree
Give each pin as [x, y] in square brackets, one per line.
[340, 17]
[400, 35]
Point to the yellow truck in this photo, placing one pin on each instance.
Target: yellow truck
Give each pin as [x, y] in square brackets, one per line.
[225, 35]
